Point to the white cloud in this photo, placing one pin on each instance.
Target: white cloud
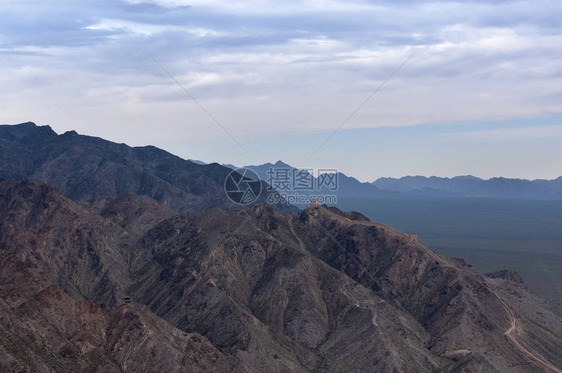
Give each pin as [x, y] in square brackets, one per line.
[266, 6]
[148, 29]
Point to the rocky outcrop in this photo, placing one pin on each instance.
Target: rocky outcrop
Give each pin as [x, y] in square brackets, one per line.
[507, 274]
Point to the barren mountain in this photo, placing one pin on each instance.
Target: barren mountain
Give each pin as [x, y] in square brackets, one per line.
[86, 168]
[250, 290]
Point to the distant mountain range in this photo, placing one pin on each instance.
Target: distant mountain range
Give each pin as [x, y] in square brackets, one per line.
[88, 168]
[435, 187]
[473, 187]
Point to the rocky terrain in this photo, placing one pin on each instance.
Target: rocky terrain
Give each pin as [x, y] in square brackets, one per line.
[43, 329]
[126, 284]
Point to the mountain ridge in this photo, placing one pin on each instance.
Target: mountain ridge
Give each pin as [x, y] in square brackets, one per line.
[87, 168]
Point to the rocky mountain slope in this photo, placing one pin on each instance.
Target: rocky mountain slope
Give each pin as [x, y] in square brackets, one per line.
[250, 290]
[43, 329]
[86, 168]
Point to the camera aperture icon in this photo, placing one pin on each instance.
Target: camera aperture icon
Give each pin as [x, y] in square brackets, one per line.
[242, 186]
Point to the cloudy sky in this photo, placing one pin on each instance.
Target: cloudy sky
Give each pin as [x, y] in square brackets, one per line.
[481, 93]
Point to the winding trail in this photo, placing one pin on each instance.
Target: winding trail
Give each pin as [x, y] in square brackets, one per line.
[508, 333]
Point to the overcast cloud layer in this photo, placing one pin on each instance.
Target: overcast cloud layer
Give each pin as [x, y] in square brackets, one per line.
[281, 76]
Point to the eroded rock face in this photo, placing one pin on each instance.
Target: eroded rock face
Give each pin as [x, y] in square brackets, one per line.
[250, 290]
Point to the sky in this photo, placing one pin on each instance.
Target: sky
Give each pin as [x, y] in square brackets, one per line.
[456, 88]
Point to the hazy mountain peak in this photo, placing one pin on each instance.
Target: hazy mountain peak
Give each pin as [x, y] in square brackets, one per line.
[466, 177]
[26, 124]
[70, 133]
[280, 163]
[196, 161]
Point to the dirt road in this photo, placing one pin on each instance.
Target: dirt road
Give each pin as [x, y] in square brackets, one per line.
[509, 335]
